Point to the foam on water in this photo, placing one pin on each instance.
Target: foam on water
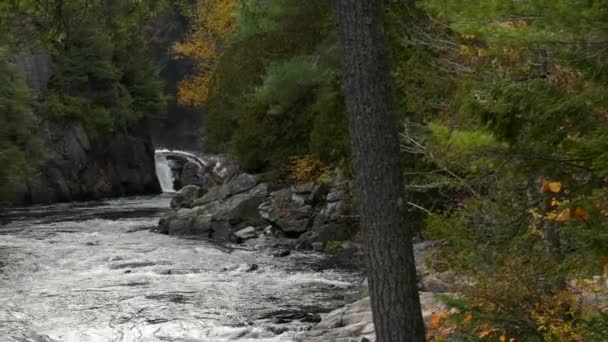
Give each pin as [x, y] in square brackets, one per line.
[94, 273]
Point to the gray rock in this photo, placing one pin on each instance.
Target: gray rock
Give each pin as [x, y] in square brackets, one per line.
[185, 197]
[317, 194]
[242, 207]
[354, 322]
[192, 174]
[246, 233]
[303, 188]
[336, 195]
[433, 284]
[242, 183]
[288, 213]
[237, 185]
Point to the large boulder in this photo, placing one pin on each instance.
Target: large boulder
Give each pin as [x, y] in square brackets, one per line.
[192, 174]
[236, 185]
[354, 322]
[186, 222]
[219, 213]
[286, 210]
[185, 197]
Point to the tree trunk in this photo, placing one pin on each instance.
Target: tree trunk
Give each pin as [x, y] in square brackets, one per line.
[378, 178]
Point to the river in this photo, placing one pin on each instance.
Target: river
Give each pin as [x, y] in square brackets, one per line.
[93, 271]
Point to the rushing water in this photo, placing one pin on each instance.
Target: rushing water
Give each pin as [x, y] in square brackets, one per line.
[164, 172]
[93, 272]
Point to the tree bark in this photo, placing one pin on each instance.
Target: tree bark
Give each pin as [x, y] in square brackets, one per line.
[378, 177]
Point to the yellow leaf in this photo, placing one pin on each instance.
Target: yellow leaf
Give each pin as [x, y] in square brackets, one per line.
[555, 187]
[503, 338]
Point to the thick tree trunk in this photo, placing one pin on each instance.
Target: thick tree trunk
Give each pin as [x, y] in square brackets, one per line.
[378, 178]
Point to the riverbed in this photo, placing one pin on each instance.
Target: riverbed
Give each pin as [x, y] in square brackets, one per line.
[93, 271]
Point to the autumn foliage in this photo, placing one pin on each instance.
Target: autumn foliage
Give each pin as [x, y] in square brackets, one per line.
[213, 22]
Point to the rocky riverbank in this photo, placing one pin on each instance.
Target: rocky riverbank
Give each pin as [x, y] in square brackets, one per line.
[308, 216]
[312, 216]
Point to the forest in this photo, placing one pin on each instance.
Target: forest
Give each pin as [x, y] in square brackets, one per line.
[501, 109]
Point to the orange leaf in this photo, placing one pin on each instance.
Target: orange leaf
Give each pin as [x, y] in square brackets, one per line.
[581, 214]
[485, 333]
[563, 216]
[544, 186]
[435, 320]
[555, 187]
[467, 319]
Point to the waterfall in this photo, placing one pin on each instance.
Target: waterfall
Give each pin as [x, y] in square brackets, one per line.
[170, 163]
[163, 172]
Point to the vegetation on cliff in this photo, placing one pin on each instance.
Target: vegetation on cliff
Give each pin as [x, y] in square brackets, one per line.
[103, 74]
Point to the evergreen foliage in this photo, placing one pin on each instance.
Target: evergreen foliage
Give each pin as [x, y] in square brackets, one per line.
[20, 149]
[504, 137]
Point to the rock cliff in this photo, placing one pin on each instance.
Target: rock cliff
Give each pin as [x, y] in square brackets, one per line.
[80, 168]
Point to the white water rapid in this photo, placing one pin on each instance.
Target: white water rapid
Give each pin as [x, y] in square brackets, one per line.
[93, 272]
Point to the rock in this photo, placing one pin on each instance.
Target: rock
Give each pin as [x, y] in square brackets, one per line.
[306, 240]
[336, 195]
[245, 234]
[316, 195]
[242, 183]
[185, 197]
[297, 316]
[252, 267]
[433, 284]
[317, 246]
[192, 174]
[281, 253]
[354, 322]
[185, 222]
[237, 185]
[242, 207]
[286, 212]
[77, 168]
[218, 218]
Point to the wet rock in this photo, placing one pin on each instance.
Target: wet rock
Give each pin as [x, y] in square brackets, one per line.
[303, 317]
[354, 322]
[185, 197]
[245, 234]
[33, 338]
[132, 265]
[281, 253]
[317, 246]
[221, 214]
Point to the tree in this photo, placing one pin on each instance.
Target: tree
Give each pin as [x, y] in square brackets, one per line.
[378, 178]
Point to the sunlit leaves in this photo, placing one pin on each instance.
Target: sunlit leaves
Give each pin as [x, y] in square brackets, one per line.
[212, 23]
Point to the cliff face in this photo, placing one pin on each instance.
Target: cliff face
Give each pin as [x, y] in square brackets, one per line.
[77, 167]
